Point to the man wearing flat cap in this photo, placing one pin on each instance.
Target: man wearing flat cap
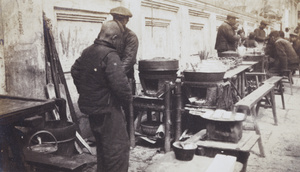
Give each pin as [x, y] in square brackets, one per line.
[128, 49]
[226, 37]
[260, 34]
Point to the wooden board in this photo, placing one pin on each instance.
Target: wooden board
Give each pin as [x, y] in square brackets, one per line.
[247, 141]
[13, 109]
[52, 161]
[224, 163]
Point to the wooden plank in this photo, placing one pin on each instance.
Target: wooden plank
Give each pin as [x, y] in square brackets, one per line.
[235, 71]
[196, 137]
[245, 139]
[217, 144]
[224, 163]
[250, 143]
[54, 161]
[273, 79]
[252, 99]
[248, 138]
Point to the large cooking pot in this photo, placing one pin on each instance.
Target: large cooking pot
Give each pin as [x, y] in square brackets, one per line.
[155, 72]
[158, 64]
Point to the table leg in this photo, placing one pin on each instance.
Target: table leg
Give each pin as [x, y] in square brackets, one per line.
[243, 84]
[167, 117]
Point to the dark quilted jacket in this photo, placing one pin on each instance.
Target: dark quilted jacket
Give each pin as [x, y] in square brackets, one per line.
[226, 38]
[100, 78]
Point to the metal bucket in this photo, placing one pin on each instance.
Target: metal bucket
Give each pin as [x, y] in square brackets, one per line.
[65, 133]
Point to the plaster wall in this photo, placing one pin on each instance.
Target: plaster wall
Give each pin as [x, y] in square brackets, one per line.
[22, 48]
[167, 28]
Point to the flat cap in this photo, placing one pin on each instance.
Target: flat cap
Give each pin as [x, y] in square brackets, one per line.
[264, 22]
[231, 15]
[121, 11]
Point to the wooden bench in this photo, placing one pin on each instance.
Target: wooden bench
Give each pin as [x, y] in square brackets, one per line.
[277, 81]
[249, 102]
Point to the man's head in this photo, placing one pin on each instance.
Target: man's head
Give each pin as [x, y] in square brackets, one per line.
[293, 36]
[263, 24]
[273, 36]
[251, 35]
[111, 32]
[231, 18]
[121, 14]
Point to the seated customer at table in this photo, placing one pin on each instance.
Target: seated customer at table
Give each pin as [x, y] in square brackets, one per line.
[285, 57]
[250, 41]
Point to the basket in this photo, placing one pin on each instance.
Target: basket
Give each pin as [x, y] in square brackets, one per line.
[150, 127]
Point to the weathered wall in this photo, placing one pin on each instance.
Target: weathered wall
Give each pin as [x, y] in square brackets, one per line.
[2, 65]
[23, 48]
[165, 28]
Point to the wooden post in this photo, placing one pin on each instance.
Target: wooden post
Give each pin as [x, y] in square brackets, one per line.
[167, 116]
[178, 110]
[257, 130]
[272, 96]
[131, 120]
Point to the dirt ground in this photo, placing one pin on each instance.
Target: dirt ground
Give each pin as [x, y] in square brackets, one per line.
[281, 143]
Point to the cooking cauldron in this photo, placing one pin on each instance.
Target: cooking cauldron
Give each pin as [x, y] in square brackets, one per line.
[155, 72]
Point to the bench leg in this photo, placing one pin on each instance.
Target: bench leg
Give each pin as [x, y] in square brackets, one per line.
[281, 94]
[272, 96]
[257, 130]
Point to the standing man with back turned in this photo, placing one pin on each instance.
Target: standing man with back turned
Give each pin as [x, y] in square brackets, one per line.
[103, 88]
[128, 49]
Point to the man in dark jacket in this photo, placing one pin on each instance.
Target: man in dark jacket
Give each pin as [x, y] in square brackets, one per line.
[260, 33]
[226, 37]
[128, 49]
[286, 57]
[103, 87]
[296, 42]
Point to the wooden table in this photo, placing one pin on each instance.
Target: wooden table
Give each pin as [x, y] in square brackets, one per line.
[12, 111]
[237, 77]
[243, 147]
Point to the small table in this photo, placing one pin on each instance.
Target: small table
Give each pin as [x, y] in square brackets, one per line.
[243, 147]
